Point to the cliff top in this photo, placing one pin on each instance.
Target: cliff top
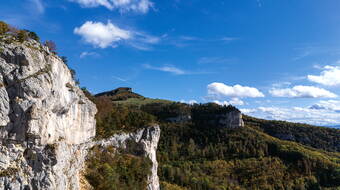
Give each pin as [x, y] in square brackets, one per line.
[121, 93]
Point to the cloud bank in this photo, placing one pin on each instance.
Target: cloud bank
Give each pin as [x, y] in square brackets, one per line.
[302, 92]
[296, 114]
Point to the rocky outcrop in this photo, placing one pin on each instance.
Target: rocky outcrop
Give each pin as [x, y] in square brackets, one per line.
[232, 119]
[140, 143]
[46, 122]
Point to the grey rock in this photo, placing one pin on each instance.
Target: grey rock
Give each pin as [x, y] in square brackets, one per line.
[43, 128]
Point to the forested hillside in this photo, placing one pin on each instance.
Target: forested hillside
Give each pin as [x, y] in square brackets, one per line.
[193, 154]
[317, 137]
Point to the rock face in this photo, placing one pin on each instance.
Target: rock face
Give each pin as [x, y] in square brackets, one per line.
[141, 143]
[47, 124]
[45, 120]
[231, 119]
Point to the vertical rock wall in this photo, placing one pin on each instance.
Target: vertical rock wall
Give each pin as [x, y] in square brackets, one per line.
[45, 120]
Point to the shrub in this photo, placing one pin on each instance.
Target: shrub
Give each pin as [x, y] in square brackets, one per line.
[4, 28]
[32, 35]
[22, 35]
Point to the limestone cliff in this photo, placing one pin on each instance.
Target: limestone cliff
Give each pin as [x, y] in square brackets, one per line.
[45, 119]
[47, 124]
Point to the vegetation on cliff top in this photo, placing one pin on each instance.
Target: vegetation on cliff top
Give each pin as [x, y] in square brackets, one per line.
[107, 169]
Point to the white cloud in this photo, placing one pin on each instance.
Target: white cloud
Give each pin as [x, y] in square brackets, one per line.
[109, 35]
[102, 35]
[191, 102]
[296, 114]
[220, 90]
[141, 6]
[169, 69]
[330, 76]
[302, 92]
[233, 101]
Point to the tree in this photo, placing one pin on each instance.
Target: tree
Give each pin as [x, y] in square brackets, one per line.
[22, 35]
[33, 35]
[4, 28]
[51, 46]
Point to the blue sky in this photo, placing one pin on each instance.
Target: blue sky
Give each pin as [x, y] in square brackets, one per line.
[272, 59]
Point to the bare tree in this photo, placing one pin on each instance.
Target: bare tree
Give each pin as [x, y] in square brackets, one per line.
[51, 46]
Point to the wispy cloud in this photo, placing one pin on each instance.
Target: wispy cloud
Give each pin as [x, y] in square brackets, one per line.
[189, 40]
[229, 39]
[86, 54]
[173, 70]
[169, 69]
[311, 50]
[141, 6]
[122, 80]
[39, 6]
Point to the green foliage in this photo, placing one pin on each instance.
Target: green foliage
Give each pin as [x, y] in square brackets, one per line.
[207, 115]
[120, 94]
[4, 28]
[164, 111]
[22, 36]
[109, 170]
[168, 186]
[11, 34]
[112, 118]
[199, 158]
[197, 155]
[33, 35]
